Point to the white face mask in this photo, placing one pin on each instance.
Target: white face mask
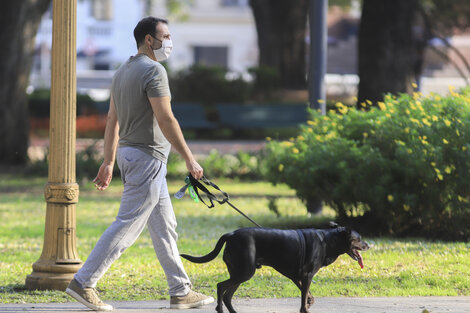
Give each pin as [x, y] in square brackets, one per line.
[164, 52]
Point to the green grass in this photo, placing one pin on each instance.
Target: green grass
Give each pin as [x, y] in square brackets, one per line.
[392, 267]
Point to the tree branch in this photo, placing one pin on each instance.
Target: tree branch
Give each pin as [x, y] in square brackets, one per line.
[431, 32]
[457, 51]
[457, 67]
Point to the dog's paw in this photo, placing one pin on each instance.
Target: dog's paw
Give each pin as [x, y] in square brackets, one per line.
[310, 301]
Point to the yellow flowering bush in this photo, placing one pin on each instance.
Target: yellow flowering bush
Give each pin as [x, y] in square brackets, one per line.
[402, 166]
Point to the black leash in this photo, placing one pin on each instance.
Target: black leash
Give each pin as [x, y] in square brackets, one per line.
[193, 184]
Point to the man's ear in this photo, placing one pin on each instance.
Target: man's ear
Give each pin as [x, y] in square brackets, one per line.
[333, 224]
[148, 39]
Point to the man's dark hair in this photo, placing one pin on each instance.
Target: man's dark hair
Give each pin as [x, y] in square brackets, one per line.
[147, 25]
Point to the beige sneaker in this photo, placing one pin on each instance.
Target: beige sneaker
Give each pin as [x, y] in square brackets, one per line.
[191, 300]
[87, 297]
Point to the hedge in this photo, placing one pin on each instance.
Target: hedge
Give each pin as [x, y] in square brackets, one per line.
[401, 167]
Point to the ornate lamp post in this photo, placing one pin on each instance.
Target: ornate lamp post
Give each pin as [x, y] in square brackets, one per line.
[59, 259]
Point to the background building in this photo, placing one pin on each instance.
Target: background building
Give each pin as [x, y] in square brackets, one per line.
[210, 32]
[214, 32]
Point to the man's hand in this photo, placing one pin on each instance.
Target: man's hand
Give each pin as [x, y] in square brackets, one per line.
[195, 169]
[105, 174]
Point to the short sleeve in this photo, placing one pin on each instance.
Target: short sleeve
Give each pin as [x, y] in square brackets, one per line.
[156, 82]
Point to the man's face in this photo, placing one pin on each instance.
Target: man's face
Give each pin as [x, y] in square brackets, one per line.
[162, 33]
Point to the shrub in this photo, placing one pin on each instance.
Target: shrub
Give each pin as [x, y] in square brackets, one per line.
[39, 104]
[88, 162]
[208, 85]
[402, 167]
[266, 80]
[242, 165]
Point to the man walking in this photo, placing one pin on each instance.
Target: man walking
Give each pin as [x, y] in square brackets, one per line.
[140, 120]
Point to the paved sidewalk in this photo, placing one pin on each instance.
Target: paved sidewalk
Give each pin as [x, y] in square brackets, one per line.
[289, 305]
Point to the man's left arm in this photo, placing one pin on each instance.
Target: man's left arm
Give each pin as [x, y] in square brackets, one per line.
[170, 127]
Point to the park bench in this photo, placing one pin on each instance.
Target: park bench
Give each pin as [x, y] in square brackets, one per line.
[257, 116]
[192, 116]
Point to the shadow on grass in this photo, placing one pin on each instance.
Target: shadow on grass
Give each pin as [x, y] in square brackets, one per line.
[11, 288]
[17, 293]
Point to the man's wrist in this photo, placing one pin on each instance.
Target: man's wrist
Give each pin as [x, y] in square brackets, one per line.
[108, 163]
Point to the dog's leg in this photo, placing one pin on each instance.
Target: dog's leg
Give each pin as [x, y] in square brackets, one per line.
[306, 281]
[228, 297]
[310, 298]
[239, 273]
[221, 289]
[240, 259]
[225, 291]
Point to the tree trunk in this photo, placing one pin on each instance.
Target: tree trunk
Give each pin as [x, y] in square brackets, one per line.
[19, 22]
[281, 27]
[390, 53]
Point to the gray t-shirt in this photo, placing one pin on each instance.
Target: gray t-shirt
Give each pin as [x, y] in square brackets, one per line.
[134, 82]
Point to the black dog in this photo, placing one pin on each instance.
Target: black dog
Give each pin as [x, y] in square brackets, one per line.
[296, 254]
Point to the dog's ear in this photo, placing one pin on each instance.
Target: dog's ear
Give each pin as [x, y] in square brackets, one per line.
[333, 224]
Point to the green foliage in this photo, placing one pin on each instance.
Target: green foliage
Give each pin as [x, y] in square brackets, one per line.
[211, 84]
[402, 167]
[266, 81]
[341, 3]
[39, 103]
[242, 165]
[88, 163]
[208, 85]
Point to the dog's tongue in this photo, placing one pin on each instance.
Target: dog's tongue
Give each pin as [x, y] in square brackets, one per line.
[359, 259]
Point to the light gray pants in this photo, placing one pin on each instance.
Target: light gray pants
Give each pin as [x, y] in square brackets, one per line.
[145, 200]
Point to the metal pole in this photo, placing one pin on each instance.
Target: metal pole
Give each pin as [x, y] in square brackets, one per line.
[318, 10]
[59, 259]
[318, 43]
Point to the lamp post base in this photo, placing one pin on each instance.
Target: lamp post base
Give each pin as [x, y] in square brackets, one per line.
[51, 276]
[48, 281]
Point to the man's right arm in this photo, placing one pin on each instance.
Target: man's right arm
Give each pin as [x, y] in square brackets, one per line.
[111, 137]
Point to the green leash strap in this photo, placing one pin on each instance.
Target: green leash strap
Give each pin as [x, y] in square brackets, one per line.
[191, 191]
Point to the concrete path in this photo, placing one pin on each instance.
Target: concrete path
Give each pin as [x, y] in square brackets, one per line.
[289, 305]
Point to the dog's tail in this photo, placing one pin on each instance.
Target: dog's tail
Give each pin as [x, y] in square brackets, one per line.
[211, 255]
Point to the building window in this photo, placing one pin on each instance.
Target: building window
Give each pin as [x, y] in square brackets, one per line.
[102, 9]
[234, 3]
[212, 56]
